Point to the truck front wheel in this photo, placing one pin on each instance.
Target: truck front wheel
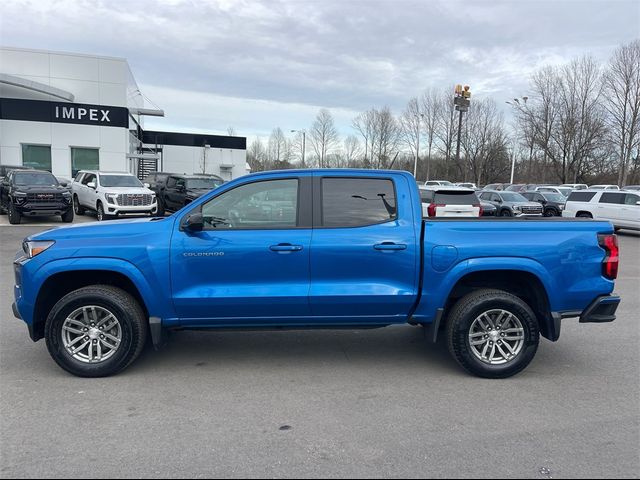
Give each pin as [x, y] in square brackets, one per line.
[96, 331]
[492, 333]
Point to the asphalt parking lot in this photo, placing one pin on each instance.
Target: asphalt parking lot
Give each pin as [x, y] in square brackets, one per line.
[379, 403]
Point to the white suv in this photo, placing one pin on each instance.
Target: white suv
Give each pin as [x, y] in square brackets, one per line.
[619, 207]
[111, 194]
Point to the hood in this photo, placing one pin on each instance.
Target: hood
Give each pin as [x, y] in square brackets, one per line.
[100, 231]
[525, 204]
[39, 189]
[130, 190]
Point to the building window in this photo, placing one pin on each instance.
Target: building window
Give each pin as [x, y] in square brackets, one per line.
[84, 159]
[36, 156]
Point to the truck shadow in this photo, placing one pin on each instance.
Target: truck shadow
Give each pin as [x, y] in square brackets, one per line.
[399, 346]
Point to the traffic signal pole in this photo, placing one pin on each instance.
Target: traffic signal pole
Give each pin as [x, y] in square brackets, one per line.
[462, 102]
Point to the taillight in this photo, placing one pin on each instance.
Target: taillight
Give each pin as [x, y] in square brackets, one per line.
[612, 258]
[431, 209]
[479, 207]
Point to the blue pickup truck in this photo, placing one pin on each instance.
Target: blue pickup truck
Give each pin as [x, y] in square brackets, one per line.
[314, 249]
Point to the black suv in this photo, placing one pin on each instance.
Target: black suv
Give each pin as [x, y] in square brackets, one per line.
[34, 193]
[174, 191]
[553, 203]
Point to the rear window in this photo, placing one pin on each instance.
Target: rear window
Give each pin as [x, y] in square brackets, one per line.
[426, 196]
[580, 196]
[612, 198]
[456, 198]
[356, 202]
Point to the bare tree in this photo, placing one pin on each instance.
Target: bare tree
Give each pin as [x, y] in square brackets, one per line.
[231, 131]
[622, 100]
[364, 124]
[352, 150]
[257, 155]
[446, 126]
[386, 134]
[411, 128]
[277, 148]
[323, 136]
[430, 112]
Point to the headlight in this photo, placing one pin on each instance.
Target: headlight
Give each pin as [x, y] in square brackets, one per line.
[561, 207]
[31, 249]
[516, 207]
[66, 196]
[19, 197]
[111, 197]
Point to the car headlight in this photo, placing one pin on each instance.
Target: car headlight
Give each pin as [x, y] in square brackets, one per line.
[19, 197]
[111, 197]
[66, 196]
[33, 248]
[516, 207]
[561, 207]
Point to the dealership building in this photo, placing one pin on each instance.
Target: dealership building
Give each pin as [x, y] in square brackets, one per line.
[65, 112]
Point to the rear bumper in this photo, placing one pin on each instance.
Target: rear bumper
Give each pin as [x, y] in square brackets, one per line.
[601, 310]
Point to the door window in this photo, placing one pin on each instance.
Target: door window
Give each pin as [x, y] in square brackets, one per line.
[356, 202]
[269, 204]
[631, 199]
[612, 198]
[88, 178]
[171, 182]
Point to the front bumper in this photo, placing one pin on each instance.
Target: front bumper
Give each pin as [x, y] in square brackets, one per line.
[43, 209]
[134, 210]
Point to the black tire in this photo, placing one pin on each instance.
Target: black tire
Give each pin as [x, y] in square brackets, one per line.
[122, 305]
[506, 213]
[584, 215]
[160, 212]
[468, 309]
[550, 212]
[101, 216]
[14, 215]
[77, 208]
[67, 217]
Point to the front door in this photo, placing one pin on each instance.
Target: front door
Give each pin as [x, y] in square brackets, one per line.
[250, 264]
[364, 255]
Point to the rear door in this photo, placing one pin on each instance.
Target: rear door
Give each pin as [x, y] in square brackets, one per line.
[630, 211]
[610, 206]
[364, 257]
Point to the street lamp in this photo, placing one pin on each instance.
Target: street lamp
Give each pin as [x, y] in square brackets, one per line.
[517, 105]
[304, 135]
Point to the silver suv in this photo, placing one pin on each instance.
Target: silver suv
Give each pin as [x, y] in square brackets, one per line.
[511, 204]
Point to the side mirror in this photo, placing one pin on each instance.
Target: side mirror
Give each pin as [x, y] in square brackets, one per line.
[181, 188]
[64, 184]
[637, 203]
[194, 223]
[147, 185]
[91, 185]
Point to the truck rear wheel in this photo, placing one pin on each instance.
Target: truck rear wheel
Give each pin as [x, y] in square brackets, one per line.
[96, 331]
[492, 333]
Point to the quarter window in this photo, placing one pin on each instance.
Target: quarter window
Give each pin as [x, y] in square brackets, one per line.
[580, 196]
[259, 205]
[631, 199]
[356, 202]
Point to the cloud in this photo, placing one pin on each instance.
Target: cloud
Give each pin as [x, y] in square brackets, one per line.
[288, 58]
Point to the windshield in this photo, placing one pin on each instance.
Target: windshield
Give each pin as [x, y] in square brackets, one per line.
[35, 178]
[208, 183]
[555, 197]
[119, 181]
[512, 197]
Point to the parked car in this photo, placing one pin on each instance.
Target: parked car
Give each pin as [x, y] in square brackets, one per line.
[157, 180]
[355, 253]
[179, 190]
[5, 169]
[552, 203]
[575, 186]
[64, 182]
[488, 209]
[511, 204]
[496, 186]
[111, 194]
[621, 208]
[435, 183]
[632, 187]
[467, 185]
[449, 202]
[34, 193]
[604, 187]
[564, 191]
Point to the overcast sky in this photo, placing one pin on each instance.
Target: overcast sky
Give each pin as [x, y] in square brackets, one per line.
[255, 65]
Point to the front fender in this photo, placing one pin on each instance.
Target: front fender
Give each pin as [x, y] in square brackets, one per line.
[32, 283]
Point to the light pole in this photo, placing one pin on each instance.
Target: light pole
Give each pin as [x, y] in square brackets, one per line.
[304, 135]
[461, 102]
[518, 106]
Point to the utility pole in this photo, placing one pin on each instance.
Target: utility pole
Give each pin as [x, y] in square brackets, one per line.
[462, 102]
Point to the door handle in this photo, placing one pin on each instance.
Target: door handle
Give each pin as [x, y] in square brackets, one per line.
[285, 247]
[390, 246]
